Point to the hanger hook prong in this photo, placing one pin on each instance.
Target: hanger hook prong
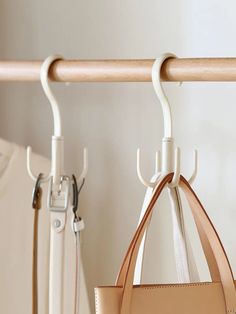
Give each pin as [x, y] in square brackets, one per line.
[157, 169]
[29, 167]
[177, 171]
[195, 170]
[85, 165]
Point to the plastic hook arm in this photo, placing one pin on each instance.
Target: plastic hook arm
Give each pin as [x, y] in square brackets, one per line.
[195, 170]
[177, 170]
[85, 166]
[46, 178]
[157, 169]
[29, 167]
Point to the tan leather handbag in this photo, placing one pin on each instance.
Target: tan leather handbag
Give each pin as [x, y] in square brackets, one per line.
[216, 297]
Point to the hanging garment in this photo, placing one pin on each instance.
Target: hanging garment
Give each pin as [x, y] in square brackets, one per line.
[16, 229]
[216, 297]
[184, 258]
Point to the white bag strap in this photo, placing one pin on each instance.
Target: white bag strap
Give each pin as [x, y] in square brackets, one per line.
[184, 258]
[185, 262]
[81, 300]
[78, 226]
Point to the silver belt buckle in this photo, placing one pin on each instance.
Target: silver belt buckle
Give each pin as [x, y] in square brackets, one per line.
[58, 200]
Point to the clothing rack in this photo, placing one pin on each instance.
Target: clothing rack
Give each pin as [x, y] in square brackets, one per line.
[175, 70]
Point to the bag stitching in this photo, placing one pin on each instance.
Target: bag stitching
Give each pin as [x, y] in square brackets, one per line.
[163, 286]
[178, 285]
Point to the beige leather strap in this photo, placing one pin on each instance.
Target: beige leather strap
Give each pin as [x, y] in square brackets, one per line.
[201, 218]
[211, 261]
[184, 259]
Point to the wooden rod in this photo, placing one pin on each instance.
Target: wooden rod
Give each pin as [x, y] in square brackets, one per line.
[175, 70]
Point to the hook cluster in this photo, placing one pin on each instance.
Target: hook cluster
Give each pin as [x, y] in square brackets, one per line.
[159, 172]
[57, 159]
[166, 164]
[47, 177]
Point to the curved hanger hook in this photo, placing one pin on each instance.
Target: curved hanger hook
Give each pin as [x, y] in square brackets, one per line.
[55, 110]
[166, 109]
[48, 92]
[156, 81]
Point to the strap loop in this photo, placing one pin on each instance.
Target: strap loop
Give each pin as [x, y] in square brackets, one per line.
[78, 225]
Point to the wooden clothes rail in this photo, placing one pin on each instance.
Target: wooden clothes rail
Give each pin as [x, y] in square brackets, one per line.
[176, 70]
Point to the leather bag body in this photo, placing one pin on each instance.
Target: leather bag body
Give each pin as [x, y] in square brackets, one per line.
[216, 297]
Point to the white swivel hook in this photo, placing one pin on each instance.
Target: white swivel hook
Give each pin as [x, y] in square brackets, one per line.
[56, 115]
[57, 160]
[177, 170]
[170, 161]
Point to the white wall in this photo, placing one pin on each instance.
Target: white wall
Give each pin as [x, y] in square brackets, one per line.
[112, 120]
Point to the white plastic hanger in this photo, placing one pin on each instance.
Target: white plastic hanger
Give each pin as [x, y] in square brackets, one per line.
[168, 157]
[186, 267]
[58, 194]
[57, 160]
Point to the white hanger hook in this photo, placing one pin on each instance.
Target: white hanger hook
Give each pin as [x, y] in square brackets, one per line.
[156, 81]
[157, 169]
[168, 141]
[48, 92]
[55, 110]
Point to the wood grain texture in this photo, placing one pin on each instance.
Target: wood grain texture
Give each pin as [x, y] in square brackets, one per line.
[175, 70]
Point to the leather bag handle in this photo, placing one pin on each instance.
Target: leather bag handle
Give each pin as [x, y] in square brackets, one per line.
[202, 219]
[210, 258]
